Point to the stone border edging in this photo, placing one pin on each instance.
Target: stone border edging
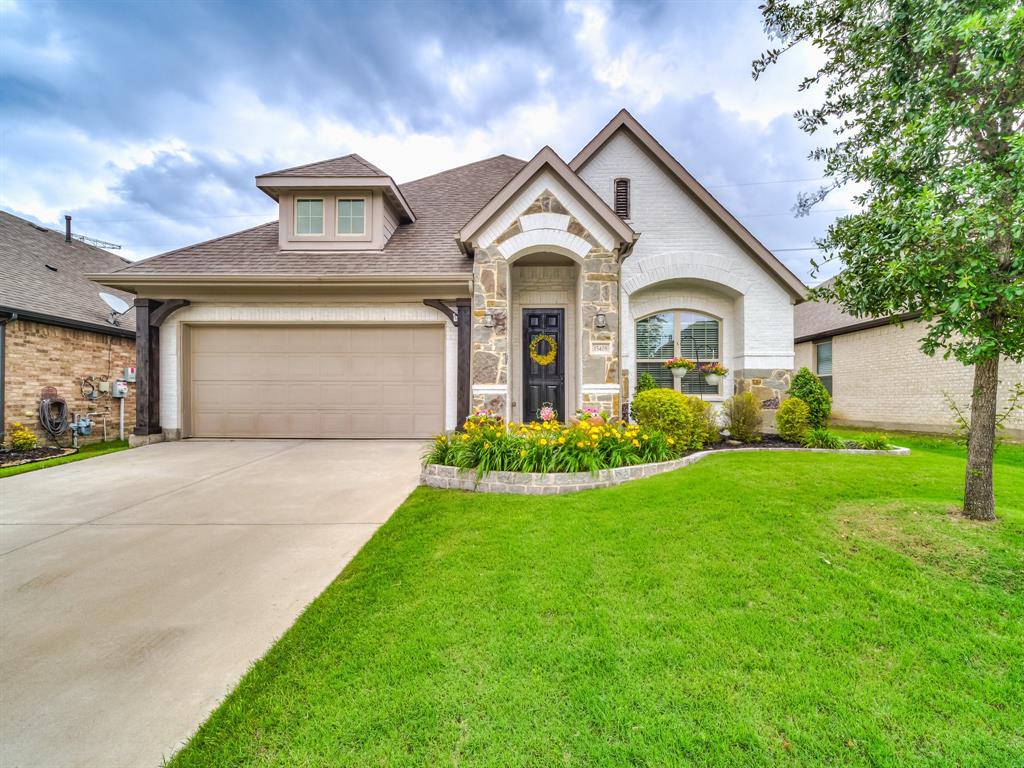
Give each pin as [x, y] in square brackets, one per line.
[553, 483]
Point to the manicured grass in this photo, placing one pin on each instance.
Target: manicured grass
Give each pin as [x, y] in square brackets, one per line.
[751, 610]
[85, 452]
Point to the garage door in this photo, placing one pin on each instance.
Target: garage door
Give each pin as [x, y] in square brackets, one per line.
[322, 381]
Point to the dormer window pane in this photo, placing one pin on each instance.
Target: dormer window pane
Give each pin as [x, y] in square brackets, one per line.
[351, 217]
[309, 217]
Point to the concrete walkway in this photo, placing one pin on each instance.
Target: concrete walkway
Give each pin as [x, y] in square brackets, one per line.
[136, 588]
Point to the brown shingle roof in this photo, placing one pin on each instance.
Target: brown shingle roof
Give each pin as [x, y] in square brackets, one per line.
[443, 203]
[820, 319]
[31, 288]
[346, 165]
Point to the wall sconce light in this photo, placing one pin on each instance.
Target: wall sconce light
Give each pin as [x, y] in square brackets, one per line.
[488, 319]
[600, 320]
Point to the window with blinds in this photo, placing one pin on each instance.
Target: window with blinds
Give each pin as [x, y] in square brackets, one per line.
[681, 333]
[622, 198]
[823, 363]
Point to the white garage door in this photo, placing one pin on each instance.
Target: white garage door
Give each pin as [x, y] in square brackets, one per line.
[317, 381]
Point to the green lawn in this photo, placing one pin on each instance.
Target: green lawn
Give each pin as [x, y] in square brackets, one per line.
[86, 452]
[751, 610]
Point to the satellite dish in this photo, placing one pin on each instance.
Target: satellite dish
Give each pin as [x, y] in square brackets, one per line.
[118, 306]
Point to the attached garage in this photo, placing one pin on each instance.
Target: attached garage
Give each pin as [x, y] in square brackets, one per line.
[324, 381]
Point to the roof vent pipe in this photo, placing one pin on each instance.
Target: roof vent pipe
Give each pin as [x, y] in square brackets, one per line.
[67, 229]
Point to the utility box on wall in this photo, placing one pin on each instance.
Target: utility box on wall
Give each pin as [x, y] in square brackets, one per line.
[129, 374]
[120, 389]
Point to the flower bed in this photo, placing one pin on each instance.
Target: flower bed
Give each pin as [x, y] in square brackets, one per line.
[489, 445]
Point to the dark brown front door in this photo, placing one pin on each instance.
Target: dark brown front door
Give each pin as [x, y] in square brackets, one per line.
[543, 383]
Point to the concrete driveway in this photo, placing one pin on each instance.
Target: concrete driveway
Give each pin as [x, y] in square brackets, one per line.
[136, 588]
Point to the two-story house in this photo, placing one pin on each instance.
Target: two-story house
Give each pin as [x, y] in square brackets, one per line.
[373, 309]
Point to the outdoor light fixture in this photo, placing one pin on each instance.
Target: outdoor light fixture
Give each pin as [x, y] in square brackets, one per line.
[600, 321]
[488, 320]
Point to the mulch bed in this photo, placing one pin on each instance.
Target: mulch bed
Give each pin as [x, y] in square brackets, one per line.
[14, 458]
[767, 441]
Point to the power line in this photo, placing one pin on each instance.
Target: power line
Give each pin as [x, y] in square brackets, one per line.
[175, 218]
[759, 183]
[790, 250]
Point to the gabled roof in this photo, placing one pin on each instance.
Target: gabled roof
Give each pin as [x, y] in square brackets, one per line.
[44, 278]
[427, 246]
[346, 172]
[624, 121]
[547, 158]
[346, 165]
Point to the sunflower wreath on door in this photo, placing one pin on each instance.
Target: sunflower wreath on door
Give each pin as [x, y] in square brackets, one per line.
[543, 358]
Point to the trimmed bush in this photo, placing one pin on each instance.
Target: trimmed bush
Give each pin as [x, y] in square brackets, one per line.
[705, 420]
[793, 420]
[671, 412]
[22, 438]
[822, 438]
[809, 388]
[644, 382]
[743, 417]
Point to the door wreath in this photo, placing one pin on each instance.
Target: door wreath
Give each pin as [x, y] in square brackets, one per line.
[548, 357]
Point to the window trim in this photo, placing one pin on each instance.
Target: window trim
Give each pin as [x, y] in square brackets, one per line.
[364, 199]
[629, 197]
[295, 216]
[677, 384]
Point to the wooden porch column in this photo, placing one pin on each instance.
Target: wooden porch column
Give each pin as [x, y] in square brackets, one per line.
[147, 365]
[465, 318]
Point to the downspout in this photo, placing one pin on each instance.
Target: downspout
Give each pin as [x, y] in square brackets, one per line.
[3, 373]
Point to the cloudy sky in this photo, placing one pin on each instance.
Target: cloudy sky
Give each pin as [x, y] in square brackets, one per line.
[148, 121]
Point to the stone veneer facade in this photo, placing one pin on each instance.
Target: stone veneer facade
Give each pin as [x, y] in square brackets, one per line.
[597, 355]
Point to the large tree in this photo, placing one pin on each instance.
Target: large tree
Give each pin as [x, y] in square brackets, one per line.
[925, 101]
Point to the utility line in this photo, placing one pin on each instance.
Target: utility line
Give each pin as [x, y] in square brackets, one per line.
[759, 183]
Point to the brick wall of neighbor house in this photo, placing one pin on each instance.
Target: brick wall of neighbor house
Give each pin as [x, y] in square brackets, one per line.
[39, 355]
[683, 250]
[881, 379]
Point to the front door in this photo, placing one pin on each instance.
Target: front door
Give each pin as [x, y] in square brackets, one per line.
[543, 361]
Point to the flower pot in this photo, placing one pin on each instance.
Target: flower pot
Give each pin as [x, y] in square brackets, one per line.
[679, 373]
[714, 379]
[595, 421]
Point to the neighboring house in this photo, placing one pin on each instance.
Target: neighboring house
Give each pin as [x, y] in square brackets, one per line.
[55, 331]
[372, 309]
[879, 377]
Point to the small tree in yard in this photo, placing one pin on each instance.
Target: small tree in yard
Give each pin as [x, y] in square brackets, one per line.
[926, 99]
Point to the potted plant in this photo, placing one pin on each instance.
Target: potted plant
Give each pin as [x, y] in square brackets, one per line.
[713, 373]
[680, 366]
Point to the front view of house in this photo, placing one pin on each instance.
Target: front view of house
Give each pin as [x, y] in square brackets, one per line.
[372, 309]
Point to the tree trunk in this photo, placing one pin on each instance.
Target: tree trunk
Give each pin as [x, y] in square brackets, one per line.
[979, 499]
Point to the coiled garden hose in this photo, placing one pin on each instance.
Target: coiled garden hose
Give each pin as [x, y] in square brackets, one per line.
[53, 416]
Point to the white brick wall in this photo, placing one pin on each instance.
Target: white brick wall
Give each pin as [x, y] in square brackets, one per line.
[881, 378]
[680, 242]
[170, 337]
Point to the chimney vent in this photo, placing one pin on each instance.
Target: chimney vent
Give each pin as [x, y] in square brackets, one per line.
[67, 229]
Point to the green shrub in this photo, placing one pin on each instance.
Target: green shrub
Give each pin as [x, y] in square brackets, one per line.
[873, 442]
[809, 388]
[22, 438]
[793, 420]
[822, 438]
[644, 382]
[705, 420]
[675, 414]
[743, 417]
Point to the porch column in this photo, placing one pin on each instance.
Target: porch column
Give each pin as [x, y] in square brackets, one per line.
[490, 333]
[147, 365]
[465, 326]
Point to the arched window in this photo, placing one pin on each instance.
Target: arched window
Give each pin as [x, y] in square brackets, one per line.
[679, 333]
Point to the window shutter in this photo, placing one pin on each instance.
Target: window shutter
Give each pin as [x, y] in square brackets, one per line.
[622, 198]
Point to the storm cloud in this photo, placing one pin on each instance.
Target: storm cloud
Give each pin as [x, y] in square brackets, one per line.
[148, 121]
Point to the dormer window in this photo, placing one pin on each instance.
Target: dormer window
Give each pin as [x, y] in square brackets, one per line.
[309, 216]
[351, 216]
[622, 198]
